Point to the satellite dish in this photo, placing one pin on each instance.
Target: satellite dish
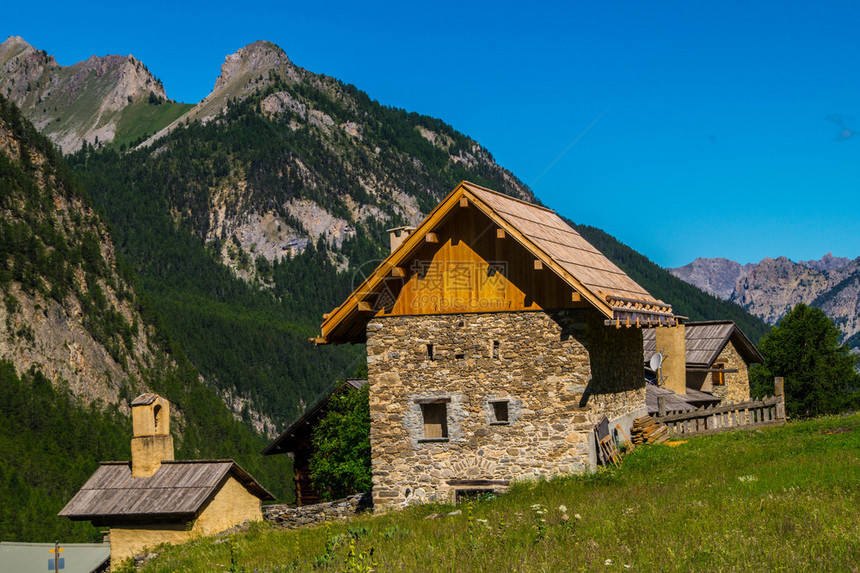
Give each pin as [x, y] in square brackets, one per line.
[656, 361]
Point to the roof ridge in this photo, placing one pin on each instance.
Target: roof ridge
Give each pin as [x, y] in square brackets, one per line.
[494, 192]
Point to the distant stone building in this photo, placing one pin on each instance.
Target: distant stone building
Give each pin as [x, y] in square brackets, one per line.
[715, 368]
[154, 499]
[496, 338]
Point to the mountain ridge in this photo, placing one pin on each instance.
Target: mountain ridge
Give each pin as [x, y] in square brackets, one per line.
[770, 288]
[87, 102]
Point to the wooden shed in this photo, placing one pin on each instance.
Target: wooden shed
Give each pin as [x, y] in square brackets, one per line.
[296, 442]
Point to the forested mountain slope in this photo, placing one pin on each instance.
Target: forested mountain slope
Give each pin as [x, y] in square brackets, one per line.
[290, 188]
[77, 343]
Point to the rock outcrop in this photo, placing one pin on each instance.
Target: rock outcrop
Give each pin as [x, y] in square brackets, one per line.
[772, 287]
[78, 103]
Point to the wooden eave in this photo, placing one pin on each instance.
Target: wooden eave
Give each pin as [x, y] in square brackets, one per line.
[343, 324]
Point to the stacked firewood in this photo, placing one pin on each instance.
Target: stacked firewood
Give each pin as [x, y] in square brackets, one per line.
[646, 431]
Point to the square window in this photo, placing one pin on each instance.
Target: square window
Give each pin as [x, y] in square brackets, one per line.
[435, 420]
[500, 412]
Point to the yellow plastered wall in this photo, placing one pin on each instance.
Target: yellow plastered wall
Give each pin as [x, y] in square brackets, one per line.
[672, 343]
[232, 505]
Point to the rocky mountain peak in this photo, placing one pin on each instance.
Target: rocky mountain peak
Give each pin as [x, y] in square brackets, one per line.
[256, 58]
[77, 103]
[773, 286]
[826, 263]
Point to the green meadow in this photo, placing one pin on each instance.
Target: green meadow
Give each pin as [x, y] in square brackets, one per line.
[776, 499]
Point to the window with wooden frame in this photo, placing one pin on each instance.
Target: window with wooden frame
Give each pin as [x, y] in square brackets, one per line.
[500, 412]
[718, 378]
[435, 415]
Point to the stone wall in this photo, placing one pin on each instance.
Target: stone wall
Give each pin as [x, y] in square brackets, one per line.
[293, 517]
[737, 386]
[559, 372]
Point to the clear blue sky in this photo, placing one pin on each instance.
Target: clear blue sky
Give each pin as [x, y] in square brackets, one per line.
[730, 129]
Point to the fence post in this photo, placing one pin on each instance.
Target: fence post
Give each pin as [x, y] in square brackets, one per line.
[779, 391]
[661, 405]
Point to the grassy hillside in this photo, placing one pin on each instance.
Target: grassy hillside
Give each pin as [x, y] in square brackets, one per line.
[144, 118]
[777, 499]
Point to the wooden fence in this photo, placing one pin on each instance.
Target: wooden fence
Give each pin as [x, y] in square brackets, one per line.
[721, 418]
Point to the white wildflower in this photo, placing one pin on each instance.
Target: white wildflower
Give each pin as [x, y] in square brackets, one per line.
[562, 508]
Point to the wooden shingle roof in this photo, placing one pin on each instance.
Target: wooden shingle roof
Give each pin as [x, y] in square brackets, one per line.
[563, 244]
[177, 490]
[542, 233]
[705, 341]
[688, 402]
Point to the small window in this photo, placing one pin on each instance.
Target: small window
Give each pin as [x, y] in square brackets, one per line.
[435, 420]
[718, 378]
[460, 355]
[500, 412]
[157, 415]
[430, 355]
[461, 495]
[496, 348]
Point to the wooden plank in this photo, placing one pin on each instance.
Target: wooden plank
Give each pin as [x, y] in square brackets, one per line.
[464, 201]
[500, 233]
[538, 264]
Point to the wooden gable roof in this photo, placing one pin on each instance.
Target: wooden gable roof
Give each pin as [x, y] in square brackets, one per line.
[178, 490]
[705, 341]
[553, 244]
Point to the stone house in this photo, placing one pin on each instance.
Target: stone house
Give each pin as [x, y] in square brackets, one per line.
[717, 355]
[154, 499]
[496, 338]
[296, 442]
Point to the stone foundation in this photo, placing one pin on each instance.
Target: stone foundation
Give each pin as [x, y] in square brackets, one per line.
[556, 374]
[294, 517]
